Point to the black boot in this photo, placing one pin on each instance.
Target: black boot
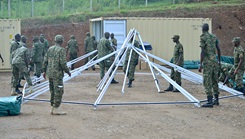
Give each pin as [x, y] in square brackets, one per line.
[130, 83]
[93, 68]
[216, 100]
[17, 90]
[176, 90]
[19, 85]
[114, 81]
[209, 104]
[170, 88]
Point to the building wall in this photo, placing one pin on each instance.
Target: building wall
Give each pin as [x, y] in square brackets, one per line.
[8, 29]
[159, 31]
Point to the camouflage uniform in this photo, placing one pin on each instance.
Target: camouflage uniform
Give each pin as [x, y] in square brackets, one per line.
[73, 49]
[37, 56]
[19, 65]
[14, 45]
[133, 62]
[224, 72]
[89, 47]
[211, 68]
[46, 43]
[175, 75]
[238, 53]
[104, 48]
[54, 65]
[114, 43]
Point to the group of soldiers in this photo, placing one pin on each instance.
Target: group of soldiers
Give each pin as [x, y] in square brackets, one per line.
[213, 70]
[21, 60]
[51, 61]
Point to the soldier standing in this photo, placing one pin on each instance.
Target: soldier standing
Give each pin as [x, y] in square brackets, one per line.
[113, 41]
[15, 44]
[178, 59]
[105, 48]
[238, 64]
[133, 62]
[54, 65]
[72, 48]
[45, 42]
[37, 56]
[95, 43]
[19, 67]
[209, 44]
[89, 47]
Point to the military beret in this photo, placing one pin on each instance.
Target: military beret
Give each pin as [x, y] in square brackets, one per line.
[59, 38]
[23, 37]
[176, 37]
[17, 36]
[35, 38]
[236, 39]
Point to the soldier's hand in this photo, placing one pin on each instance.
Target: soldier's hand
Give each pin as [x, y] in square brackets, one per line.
[44, 75]
[200, 68]
[69, 74]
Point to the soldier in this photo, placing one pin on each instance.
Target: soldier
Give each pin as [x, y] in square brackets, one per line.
[95, 43]
[238, 64]
[23, 43]
[73, 50]
[104, 48]
[37, 56]
[208, 44]
[113, 41]
[15, 44]
[19, 67]
[133, 62]
[54, 65]
[224, 73]
[178, 59]
[45, 42]
[89, 47]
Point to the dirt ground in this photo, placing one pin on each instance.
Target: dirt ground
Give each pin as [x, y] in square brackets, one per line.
[182, 121]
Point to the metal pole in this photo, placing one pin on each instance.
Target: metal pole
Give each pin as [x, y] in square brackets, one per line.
[9, 9]
[146, 3]
[119, 4]
[63, 6]
[32, 8]
[91, 5]
[152, 70]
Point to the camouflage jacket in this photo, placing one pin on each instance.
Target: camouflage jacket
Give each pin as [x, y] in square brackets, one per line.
[114, 43]
[46, 46]
[208, 43]
[20, 56]
[72, 46]
[54, 63]
[134, 56]
[104, 47]
[238, 53]
[37, 52]
[88, 44]
[14, 45]
[178, 49]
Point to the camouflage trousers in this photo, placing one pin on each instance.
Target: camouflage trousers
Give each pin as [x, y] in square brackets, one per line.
[17, 70]
[89, 58]
[238, 77]
[104, 65]
[211, 78]
[72, 57]
[131, 69]
[56, 88]
[176, 76]
[38, 68]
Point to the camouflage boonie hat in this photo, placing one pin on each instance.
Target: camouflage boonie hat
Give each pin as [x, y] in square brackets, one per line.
[59, 38]
[176, 37]
[35, 38]
[236, 39]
